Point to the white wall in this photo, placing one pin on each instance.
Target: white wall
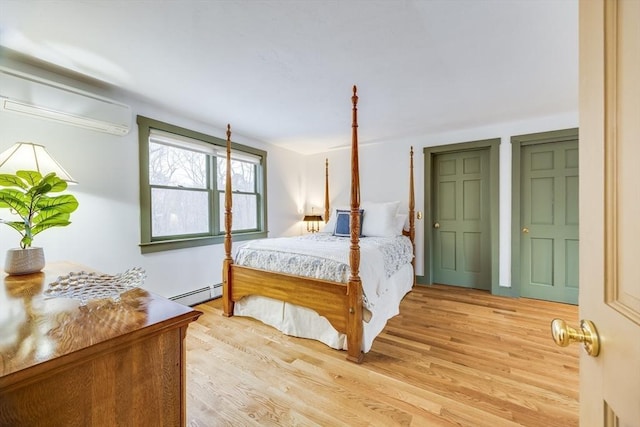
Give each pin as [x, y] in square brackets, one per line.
[384, 173]
[105, 230]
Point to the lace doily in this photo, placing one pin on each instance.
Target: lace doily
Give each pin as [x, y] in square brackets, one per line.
[85, 286]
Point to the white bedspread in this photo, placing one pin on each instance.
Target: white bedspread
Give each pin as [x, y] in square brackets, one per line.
[324, 256]
[385, 271]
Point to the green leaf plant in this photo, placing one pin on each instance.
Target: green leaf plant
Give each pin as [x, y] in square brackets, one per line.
[26, 194]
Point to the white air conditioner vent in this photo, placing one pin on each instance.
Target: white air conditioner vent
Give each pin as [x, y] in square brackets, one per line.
[25, 94]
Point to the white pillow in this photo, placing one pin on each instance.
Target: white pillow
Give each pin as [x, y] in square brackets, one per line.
[399, 223]
[379, 219]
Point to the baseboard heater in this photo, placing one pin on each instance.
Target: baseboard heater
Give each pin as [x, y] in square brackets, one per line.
[199, 296]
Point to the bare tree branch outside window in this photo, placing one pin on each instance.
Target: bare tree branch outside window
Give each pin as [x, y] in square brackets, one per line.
[182, 188]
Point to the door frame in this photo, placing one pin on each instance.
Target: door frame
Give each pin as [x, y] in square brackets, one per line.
[493, 145]
[517, 142]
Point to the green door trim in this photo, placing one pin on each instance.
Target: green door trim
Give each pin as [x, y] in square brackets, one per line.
[517, 142]
[493, 145]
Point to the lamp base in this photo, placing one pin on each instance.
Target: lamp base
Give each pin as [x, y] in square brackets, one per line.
[24, 261]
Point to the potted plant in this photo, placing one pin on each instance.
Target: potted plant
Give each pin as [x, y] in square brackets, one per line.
[27, 195]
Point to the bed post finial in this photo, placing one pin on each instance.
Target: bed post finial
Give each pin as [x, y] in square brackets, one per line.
[227, 301]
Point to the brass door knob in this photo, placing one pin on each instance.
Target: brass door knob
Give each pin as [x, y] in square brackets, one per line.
[436, 225]
[563, 335]
[525, 230]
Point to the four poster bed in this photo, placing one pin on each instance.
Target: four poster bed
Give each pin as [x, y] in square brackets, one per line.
[318, 292]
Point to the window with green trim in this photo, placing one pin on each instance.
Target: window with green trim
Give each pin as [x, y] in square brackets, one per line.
[182, 182]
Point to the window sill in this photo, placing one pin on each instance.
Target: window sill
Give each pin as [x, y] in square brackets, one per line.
[168, 245]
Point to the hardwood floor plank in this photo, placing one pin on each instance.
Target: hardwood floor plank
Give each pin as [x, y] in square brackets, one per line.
[453, 357]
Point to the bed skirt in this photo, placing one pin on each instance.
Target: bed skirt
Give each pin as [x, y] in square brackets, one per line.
[305, 323]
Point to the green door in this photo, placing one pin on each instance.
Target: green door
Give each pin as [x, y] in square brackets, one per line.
[461, 223]
[549, 221]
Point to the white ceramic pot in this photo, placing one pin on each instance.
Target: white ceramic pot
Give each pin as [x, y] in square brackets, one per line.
[24, 261]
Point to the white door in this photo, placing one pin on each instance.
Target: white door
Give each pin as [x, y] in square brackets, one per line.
[610, 209]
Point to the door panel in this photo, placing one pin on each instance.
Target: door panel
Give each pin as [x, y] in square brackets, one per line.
[471, 204]
[571, 265]
[549, 221]
[447, 201]
[462, 243]
[610, 209]
[571, 201]
[448, 250]
[542, 261]
[541, 202]
[472, 250]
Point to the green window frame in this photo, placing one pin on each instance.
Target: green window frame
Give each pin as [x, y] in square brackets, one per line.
[182, 181]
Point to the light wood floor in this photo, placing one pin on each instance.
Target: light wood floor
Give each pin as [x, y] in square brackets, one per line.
[453, 356]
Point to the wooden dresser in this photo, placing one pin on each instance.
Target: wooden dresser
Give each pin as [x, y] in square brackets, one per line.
[102, 364]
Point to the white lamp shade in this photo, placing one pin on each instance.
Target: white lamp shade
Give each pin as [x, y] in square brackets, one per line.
[32, 157]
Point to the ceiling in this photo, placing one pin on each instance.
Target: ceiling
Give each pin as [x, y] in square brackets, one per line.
[281, 71]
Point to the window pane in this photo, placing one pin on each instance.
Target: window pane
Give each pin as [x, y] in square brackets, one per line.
[245, 216]
[175, 212]
[176, 167]
[243, 175]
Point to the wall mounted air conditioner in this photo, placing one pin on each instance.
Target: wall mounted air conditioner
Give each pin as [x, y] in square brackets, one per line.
[25, 94]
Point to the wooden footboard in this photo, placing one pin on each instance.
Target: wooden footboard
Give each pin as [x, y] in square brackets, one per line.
[328, 299]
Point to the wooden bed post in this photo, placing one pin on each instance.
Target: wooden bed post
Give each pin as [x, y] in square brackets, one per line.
[326, 191]
[412, 216]
[354, 287]
[227, 302]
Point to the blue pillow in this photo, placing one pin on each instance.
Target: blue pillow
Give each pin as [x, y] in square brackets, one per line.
[343, 218]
